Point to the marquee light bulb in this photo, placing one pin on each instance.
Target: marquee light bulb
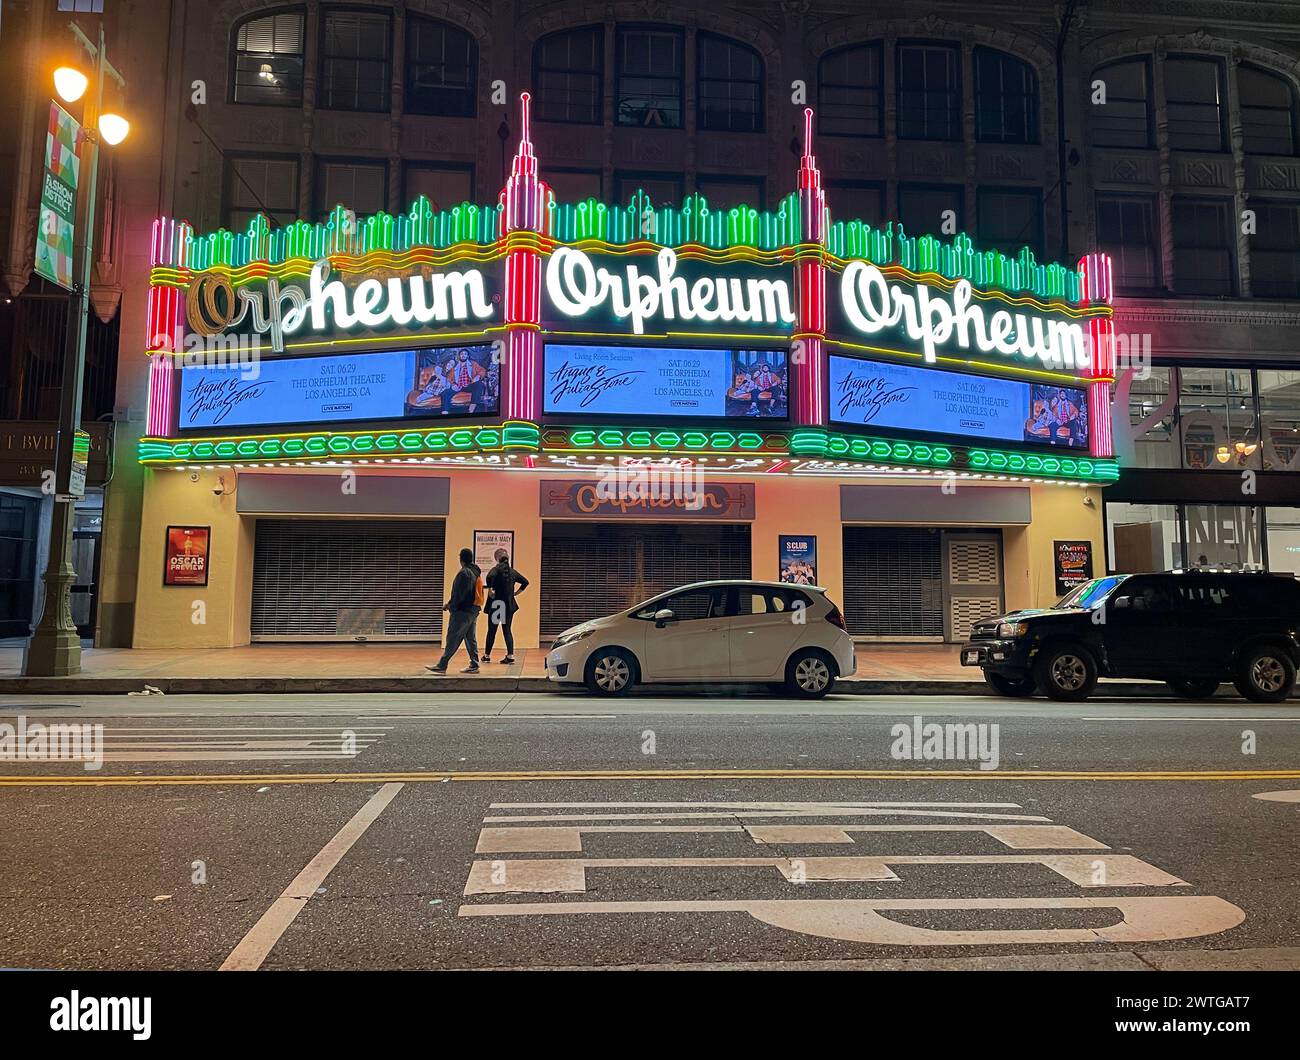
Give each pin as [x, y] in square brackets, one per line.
[113, 128]
[70, 83]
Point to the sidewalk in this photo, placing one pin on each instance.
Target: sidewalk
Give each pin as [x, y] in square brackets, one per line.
[883, 669]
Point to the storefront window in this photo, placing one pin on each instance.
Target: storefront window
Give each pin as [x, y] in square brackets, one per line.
[1284, 540]
[1143, 537]
[1217, 414]
[1279, 413]
[1157, 446]
[1222, 535]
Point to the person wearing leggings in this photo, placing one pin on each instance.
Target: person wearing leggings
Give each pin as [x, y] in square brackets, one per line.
[503, 584]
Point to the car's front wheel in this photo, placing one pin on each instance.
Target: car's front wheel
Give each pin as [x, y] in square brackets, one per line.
[610, 672]
[1065, 672]
[1266, 675]
[1193, 687]
[1019, 687]
[809, 674]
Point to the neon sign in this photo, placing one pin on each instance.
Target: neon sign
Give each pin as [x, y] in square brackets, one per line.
[927, 315]
[576, 286]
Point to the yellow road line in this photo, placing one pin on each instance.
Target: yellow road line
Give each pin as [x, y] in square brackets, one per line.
[632, 774]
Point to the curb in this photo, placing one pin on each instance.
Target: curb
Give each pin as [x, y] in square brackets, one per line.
[116, 686]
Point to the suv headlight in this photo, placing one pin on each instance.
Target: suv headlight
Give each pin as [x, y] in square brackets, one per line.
[1012, 629]
[569, 638]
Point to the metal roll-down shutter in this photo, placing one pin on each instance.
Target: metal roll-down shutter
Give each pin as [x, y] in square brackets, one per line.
[344, 579]
[893, 582]
[595, 569]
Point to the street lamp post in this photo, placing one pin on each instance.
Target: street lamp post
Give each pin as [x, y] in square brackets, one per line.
[54, 649]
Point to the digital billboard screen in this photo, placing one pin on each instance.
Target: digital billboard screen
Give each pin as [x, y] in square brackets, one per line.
[665, 381]
[393, 384]
[871, 393]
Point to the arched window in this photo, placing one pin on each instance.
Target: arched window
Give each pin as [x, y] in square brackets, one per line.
[649, 73]
[1268, 112]
[569, 74]
[441, 68]
[1122, 116]
[268, 57]
[356, 59]
[730, 96]
[929, 90]
[850, 91]
[1006, 99]
[1194, 102]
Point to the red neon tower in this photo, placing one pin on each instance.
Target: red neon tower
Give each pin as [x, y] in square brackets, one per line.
[1098, 289]
[808, 357]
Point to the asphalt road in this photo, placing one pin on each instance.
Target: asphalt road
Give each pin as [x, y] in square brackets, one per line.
[519, 830]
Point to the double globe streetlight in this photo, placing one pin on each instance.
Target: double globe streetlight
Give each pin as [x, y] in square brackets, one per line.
[54, 649]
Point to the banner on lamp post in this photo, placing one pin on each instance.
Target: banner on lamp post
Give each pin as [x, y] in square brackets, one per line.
[58, 216]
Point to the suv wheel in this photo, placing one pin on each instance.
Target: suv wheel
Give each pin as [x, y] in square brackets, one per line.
[1065, 672]
[1266, 675]
[1019, 687]
[809, 674]
[610, 672]
[1194, 687]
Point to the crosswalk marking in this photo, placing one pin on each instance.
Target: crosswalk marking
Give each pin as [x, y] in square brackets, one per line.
[237, 743]
[530, 828]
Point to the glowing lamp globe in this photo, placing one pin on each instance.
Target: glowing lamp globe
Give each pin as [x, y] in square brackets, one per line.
[70, 83]
[113, 128]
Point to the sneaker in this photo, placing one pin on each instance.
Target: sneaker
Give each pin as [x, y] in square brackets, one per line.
[471, 669]
[485, 657]
[436, 669]
[506, 661]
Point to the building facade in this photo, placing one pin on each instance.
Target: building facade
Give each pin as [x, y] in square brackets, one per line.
[1161, 135]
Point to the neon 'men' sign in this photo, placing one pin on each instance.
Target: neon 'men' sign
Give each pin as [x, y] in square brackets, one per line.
[576, 286]
[935, 318]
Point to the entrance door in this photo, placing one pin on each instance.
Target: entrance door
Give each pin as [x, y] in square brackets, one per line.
[972, 567]
[595, 569]
[348, 579]
[893, 583]
[85, 586]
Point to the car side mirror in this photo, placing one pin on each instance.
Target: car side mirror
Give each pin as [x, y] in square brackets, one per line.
[662, 617]
[1121, 602]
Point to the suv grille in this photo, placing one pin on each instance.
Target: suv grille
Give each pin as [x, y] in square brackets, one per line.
[984, 631]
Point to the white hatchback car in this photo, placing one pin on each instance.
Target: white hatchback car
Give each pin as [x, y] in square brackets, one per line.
[721, 631]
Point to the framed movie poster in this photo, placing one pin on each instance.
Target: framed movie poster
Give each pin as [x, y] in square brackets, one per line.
[1073, 563]
[798, 559]
[186, 558]
[486, 542]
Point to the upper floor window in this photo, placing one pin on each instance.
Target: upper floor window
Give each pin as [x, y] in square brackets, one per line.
[649, 69]
[268, 59]
[929, 92]
[1126, 230]
[730, 78]
[1275, 250]
[441, 68]
[356, 60]
[1006, 99]
[1122, 116]
[1203, 247]
[1194, 103]
[854, 200]
[1268, 112]
[1010, 218]
[931, 209]
[361, 186]
[851, 91]
[568, 71]
[260, 185]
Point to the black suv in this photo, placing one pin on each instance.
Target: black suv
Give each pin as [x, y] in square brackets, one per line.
[1192, 629]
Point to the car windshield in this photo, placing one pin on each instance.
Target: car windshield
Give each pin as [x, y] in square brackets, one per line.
[1086, 595]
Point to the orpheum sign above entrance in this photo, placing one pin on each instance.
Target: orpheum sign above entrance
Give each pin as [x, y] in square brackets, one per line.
[786, 287]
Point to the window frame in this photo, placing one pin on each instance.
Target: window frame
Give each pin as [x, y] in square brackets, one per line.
[1293, 110]
[759, 184]
[958, 120]
[878, 46]
[1152, 202]
[320, 210]
[228, 180]
[621, 175]
[1033, 119]
[835, 186]
[1020, 191]
[1220, 73]
[1148, 74]
[598, 74]
[657, 27]
[413, 18]
[409, 164]
[1234, 266]
[234, 53]
[322, 58]
[907, 185]
[1253, 202]
[704, 35]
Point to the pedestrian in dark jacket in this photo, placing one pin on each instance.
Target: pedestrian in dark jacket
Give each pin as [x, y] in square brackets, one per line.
[463, 608]
[504, 583]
